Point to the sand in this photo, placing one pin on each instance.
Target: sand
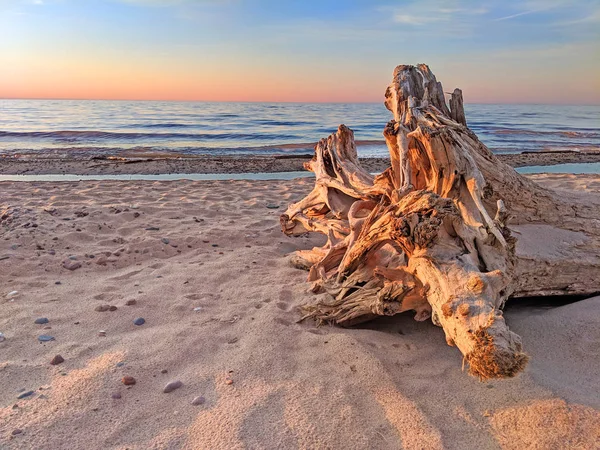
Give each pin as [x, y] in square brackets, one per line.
[389, 384]
[157, 164]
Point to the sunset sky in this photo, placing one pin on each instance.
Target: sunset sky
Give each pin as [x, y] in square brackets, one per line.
[538, 51]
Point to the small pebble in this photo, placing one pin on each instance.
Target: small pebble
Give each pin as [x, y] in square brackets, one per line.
[272, 206]
[25, 395]
[112, 308]
[71, 265]
[57, 282]
[130, 302]
[102, 308]
[2, 337]
[102, 333]
[116, 395]
[120, 364]
[198, 309]
[73, 258]
[228, 381]
[164, 371]
[12, 294]
[198, 401]
[45, 338]
[139, 321]
[57, 360]
[165, 240]
[128, 381]
[170, 387]
[152, 229]
[16, 431]
[41, 321]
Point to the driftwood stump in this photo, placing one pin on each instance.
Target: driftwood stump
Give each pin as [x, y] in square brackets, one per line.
[431, 233]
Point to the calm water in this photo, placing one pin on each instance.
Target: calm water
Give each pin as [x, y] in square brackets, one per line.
[88, 128]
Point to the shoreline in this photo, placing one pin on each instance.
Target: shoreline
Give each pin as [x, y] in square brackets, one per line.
[236, 164]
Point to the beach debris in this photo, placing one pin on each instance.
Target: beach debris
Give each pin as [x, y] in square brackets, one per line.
[3, 257]
[198, 309]
[130, 302]
[12, 295]
[102, 308]
[57, 360]
[172, 385]
[45, 338]
[102, 333]
[41, 321]
[116, 395]
[430, 234]
[152, 229]
[25, 394]
[139, 321]
[200, 400]
[71, 265]
[128, 380]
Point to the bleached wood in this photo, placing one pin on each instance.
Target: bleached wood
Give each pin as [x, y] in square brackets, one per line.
[421, 235]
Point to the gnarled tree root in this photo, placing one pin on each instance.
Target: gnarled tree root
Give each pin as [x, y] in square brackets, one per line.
[420, 236]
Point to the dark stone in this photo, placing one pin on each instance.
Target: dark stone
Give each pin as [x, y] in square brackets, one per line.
[45, 338]
[41, 321]
[57, 360]
[128, 381]
[139, 321]
[25, 395]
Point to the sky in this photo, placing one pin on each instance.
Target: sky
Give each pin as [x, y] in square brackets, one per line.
[497, 51]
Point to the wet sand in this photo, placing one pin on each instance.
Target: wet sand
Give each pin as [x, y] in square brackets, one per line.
[230, 164]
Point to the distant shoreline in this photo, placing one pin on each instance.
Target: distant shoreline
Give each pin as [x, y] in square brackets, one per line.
[232, 164]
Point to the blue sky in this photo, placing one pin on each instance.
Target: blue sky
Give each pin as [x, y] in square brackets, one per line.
[328, 50]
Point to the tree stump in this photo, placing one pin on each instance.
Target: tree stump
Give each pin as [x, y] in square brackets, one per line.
[431, 233]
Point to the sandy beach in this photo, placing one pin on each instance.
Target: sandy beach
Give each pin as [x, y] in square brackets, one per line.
[204, 264]
[156, 164]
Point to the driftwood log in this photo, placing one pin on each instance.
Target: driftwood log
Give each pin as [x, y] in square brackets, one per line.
[448, 230]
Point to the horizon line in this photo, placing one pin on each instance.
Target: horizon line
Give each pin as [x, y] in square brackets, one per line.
[268, 101]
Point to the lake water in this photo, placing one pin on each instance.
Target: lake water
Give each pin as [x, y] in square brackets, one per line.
[88, 128]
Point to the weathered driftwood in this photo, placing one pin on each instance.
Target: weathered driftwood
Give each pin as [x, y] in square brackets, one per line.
[431, 234]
